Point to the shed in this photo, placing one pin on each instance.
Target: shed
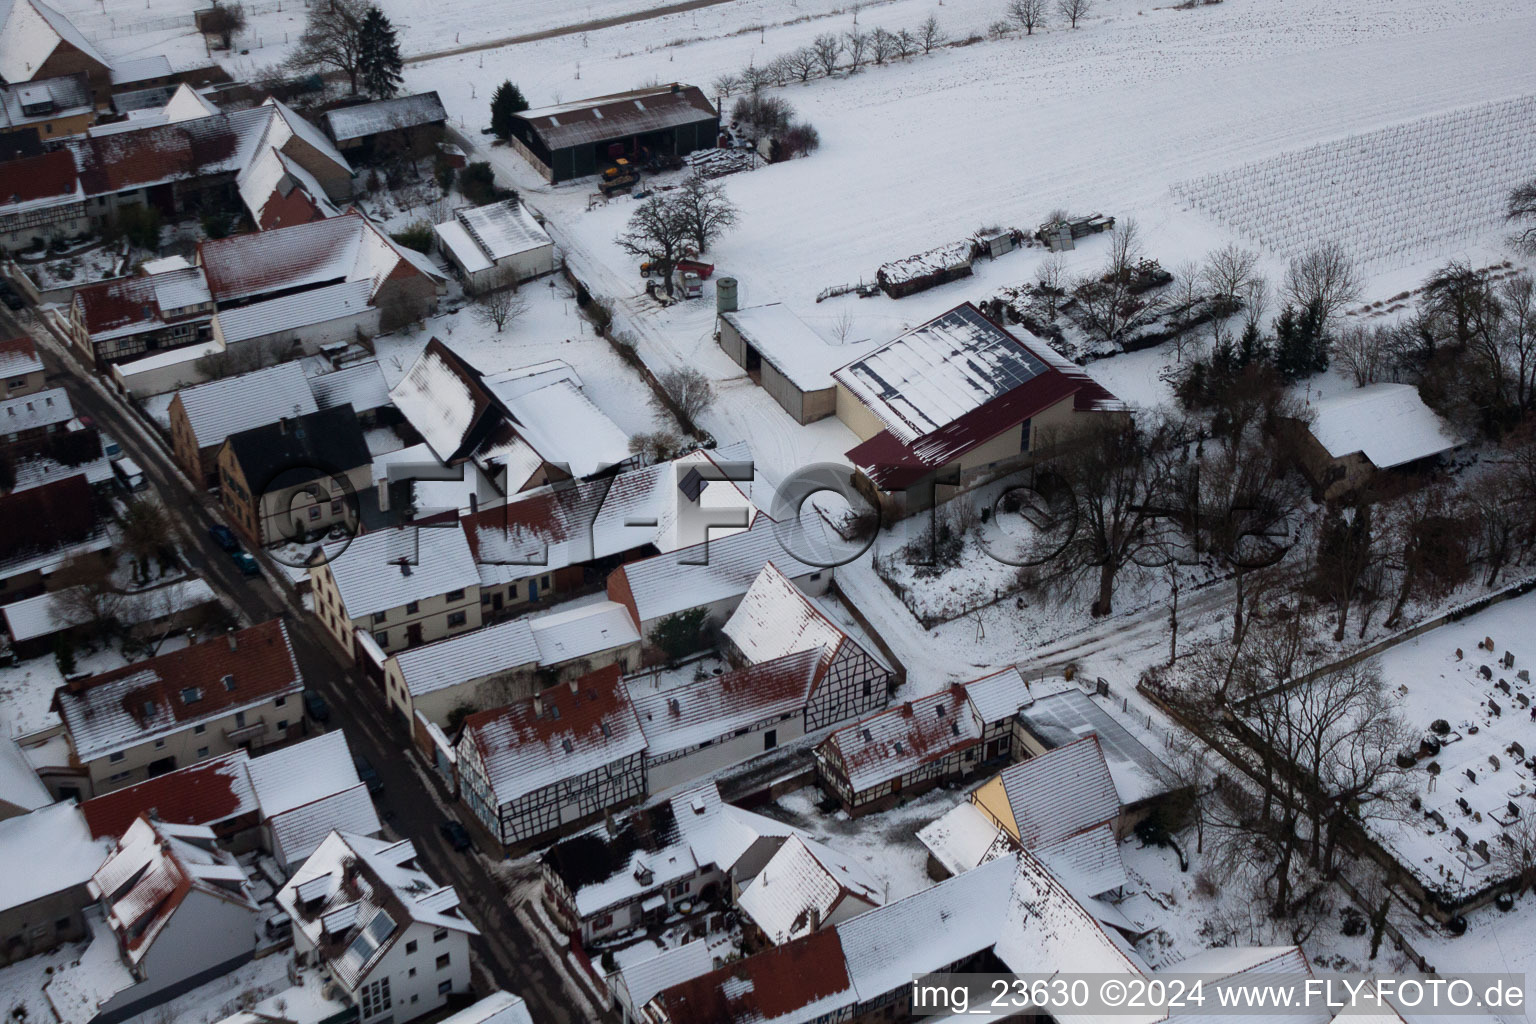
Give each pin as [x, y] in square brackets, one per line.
[786, 358]
[416, 120]
[573, 140]
[1360, 433]
[495, 246]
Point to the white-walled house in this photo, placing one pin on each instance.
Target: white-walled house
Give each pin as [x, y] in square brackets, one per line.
[393, 940]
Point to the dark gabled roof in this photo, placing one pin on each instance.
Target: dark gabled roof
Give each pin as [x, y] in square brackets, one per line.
[365, 119]
[46, 517]
[618, 115]
[328, 441]
[38, 177]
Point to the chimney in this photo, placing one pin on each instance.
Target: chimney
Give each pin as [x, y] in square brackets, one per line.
[405, 567]
[234, 641]
[282, 424]
[815, 919]
[383, 489]
[575, 685]
[538, 705]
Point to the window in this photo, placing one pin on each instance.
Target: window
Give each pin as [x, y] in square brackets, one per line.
[410, 947]
[314, 511]
[680, 889]
[456, 595]
[120, 776]
[444, 987]
[336, 508]
[868, 686]
[544, 581]
[413, 607]
[375, 997]
[440, 935]
[280, 702]
[191, 695]
[457, 619]
[442, 961]
[770, 739]
[159, 744]
[116, 756]
[411, 973]
[282, 723]
[1024, 436]
[202, 751]
[229, 684]
[602, 921]
[815, 575]
[61, 925]
[239, 719]
[512, 592]
[382, 638]
[379, 617]
[198, 730]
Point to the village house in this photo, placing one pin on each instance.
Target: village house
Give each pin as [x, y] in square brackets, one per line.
[511, 425]
[21, 371]
[295, 479]
[783, 356]
[926, 742]
[497, 1008]
[151, 717]
[52, 107]
[406, 126]
[180, 910]
[495, 246]
[43, 527]
[46, 858]
[955, 402]
[37, 42]
[399, 588]
[202, 417]
[1357, 440]
[29, 422]
[21, 789]
[562, 538]
[215, 794]
[804, 887]
[559, 760]
[511, 661]
[800, 982]
[573, 140]
[41, 200]
[166, 305]
[636, 982]
[305, 792]
[393, 939]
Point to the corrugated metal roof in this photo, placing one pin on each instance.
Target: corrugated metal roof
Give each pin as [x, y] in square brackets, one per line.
[390, 568]
[360, 385]
[473, 655]
[223, 407]
[1060, 793]
[294, 312]
[385, 115]
[618, 115]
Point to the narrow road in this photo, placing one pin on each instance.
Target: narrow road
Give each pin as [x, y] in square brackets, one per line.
[408, 804]
[567, 30]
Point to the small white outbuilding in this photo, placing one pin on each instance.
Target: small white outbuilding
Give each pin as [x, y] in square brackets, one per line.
[495, 246]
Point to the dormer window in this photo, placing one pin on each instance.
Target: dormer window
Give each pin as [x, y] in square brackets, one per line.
[229, 683]
[939, 710]
[149, 709]
[566, 746]
[191, 695]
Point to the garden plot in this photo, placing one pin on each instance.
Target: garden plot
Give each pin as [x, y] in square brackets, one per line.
[1474, 780]
[1389, 195]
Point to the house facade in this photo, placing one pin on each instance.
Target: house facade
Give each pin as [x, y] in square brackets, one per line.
[204, 415]
[21, 371]
[48, 857]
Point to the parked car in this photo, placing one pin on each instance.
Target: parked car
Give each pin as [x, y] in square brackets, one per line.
[224, 537]
[365, 771]
[245, 563]
[8, 295]
[110, 448]
[129, 476]
[457, 835]
[316, 707]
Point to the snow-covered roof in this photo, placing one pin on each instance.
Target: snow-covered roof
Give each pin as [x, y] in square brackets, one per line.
[356, 896]
[30, 31]
[565, 636]
[963, 838]
[790, 346]
[78, 988]
[1065, 716]
[64, 96]
[502, 229]
[204, 793]
[702, 574]
[544, 400]
[799, 982]
[360, 385]
[645, 978]
[937, 372]
[227, 406]
[19, 784]
[297, 126]
[998, 696]
[563, 733]
[619, 115]
[18, 357]
[1060, 793]
[889, 946]
[686, 716]
[180, 288]
[298, 832]
[800, 887]
[35, 411]
[950, 256]
[176, 691]
[775, 618]
[443, 398]
[497, 1008]
[303, 773]
[267, 184]
[51, 612]
[151, 870]
[389, 568]
[293, 312]
[366, 119]
[141, 69]
[44, 852]
[1388, 423]
[468, 656]
[1088, 862]
[453, 238]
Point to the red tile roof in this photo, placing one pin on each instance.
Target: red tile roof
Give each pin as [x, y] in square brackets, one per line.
[200, 794]
[905, 738]
[204, 145]
[766, 986]
[46, 517]
[37, 177]
[18, 347]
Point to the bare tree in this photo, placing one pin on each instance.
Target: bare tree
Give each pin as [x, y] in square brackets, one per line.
[147, 534]
[1504, 343]
[86, 594]
[1346, 553]
[1256, 293]
[1515, 854]
[331, 41]
[1074, 10]
[803, 63]
[688, 390]
[1426, 546]
[1323, 281]
[882, 46]
[755, 79]
[705, 211]
[930, 34]
[1228, 272]
[855, 42]
[1030, 14]
[906, 44]
[223, 20]
[1521, 209]
[1051, 280]
[1365, 353]
[500, 307]
[779, 70]
[726, 84]
[828, 49]
[655, 446]
[659, 233]
[1110, 304]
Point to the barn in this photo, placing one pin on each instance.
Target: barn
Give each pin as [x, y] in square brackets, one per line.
[573, 140]
[785, 358]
